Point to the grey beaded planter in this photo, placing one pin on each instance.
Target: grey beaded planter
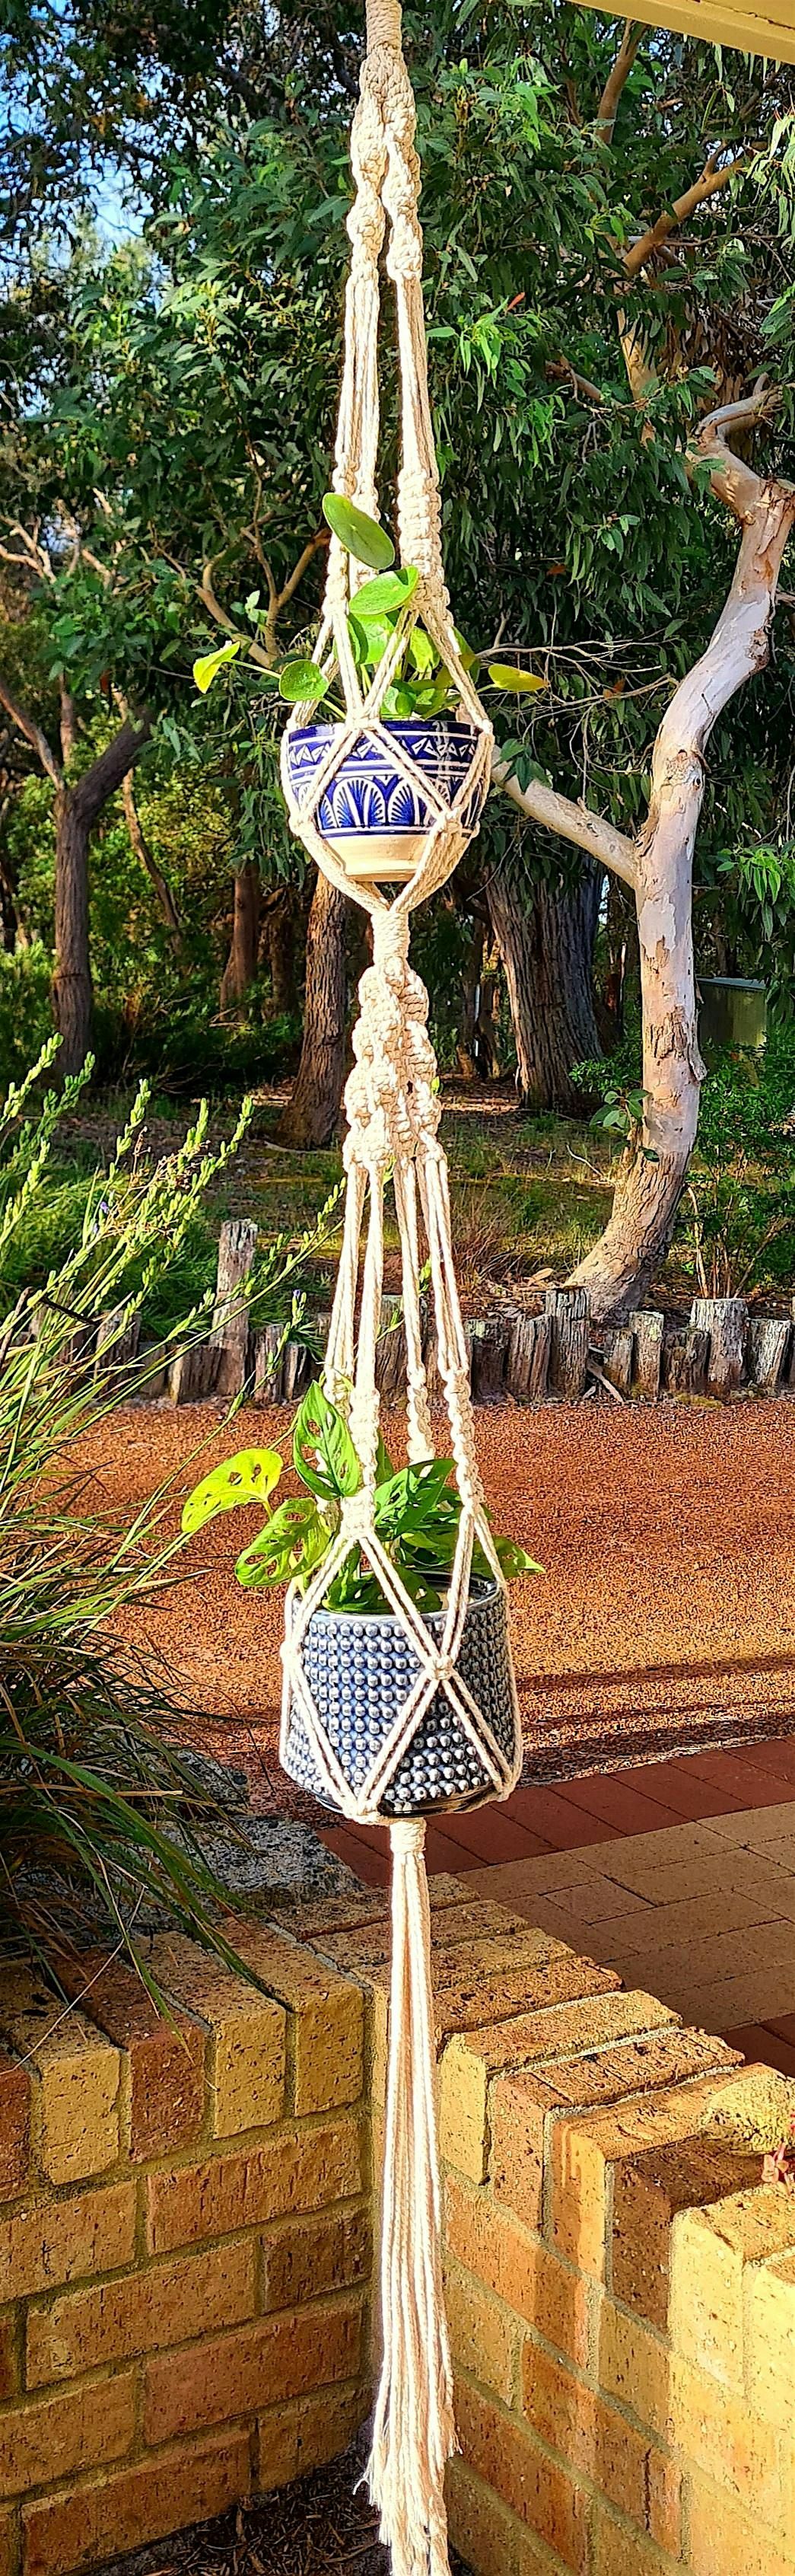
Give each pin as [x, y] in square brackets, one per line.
[360, 1672]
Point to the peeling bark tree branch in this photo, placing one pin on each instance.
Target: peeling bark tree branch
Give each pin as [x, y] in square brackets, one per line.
[650, 1181]
[572, 822]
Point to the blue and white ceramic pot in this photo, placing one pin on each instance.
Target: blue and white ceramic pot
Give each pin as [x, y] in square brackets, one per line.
[375, 818]
[360, 1672]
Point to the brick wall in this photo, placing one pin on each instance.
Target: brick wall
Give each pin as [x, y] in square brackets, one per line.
[621, 2285]
[184, 2246]
[185, 2252]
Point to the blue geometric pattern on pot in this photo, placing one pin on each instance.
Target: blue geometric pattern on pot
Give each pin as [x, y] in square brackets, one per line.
[360, 1673]
[368, 794]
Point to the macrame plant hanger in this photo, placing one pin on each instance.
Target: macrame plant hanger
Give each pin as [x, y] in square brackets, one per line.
[393, 1119]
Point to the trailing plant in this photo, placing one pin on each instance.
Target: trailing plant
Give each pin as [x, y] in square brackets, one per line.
[378, 613]
[417, 1514]
[99, 1809]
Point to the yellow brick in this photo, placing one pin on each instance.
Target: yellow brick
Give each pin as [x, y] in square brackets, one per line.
[43, 2244]
[138, 2504]
[770, 2322]
[286, 2356]
[169, 2303]
[76, 2077]
[53, 2437]
[463, 2133]
[481, 2528]
[633, 2366]
[718, 2432]
[724, 2541]
[294, 2169]
[248, 2031]
[710, 2249]
[312, 2255]
[560, 2031]
[484, 2336]
[329, 2017]
[295, 2439]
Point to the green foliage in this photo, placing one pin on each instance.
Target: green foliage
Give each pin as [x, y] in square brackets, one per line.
[91, 1778]
[99, 1809]
[737, 1229]
[417, 1511]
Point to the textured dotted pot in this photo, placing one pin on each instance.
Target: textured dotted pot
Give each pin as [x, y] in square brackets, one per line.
[360, 1672]
[376, 819]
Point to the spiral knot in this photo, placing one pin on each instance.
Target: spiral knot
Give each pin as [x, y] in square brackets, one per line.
[356, 1519]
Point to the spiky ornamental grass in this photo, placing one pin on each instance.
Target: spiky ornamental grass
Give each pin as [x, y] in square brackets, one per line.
[92, 1780]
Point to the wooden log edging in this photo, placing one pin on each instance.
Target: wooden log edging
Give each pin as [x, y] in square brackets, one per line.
[558, 1356]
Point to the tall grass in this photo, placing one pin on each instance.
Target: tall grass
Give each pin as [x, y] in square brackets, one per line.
[93, 1784]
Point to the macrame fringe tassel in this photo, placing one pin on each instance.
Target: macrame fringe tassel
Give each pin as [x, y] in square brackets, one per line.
[413, 2426]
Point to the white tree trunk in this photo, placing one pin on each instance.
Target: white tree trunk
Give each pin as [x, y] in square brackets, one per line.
[651, 1178]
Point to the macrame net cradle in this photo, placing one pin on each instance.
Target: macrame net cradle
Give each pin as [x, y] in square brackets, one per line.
[393, 1121]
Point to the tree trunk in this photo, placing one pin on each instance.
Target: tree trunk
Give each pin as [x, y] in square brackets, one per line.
[279, 944]
[546, 939]
[72, 991]
[241, 965]
[651, 1178]
[160, 884]
[312, 1115]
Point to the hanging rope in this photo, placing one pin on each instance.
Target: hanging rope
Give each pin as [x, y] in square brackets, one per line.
[393, 1122]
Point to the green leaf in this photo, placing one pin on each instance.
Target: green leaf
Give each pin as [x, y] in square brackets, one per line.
[389, 590]
[292, 1542]
[323, 1450]
[513, 1560]
[249, 1477]
[206, 670]
[523, 683]
[301, 681]
[362, 537]
[370, 641]
[422, 653]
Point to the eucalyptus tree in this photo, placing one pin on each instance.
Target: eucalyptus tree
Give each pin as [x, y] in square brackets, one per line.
[608, 235]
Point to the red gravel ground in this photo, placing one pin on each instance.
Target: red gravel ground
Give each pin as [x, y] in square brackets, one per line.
[665, 1617]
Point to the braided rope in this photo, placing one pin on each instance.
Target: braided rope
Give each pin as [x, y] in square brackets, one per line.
[393, 1112]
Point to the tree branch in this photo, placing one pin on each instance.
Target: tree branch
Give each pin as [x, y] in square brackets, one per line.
[572, 822]
[27, 725]
[107, 772]
[139, 844]
[209, 599]
[732, 480]
[562, 372]
[709, 185]
[607, 110]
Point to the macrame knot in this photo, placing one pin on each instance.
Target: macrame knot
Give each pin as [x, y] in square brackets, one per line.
[356, 1519]
[407, 1835]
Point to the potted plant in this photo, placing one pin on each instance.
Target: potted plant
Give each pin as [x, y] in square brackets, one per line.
[358, 1661]
[373, 815]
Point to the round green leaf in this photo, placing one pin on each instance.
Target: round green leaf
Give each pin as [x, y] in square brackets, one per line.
[388, 590]
[362, 537]
[247, 1478]
[301, 682]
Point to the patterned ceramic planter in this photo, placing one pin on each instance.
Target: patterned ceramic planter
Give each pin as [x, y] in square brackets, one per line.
[360, 1672]
[374, 817]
